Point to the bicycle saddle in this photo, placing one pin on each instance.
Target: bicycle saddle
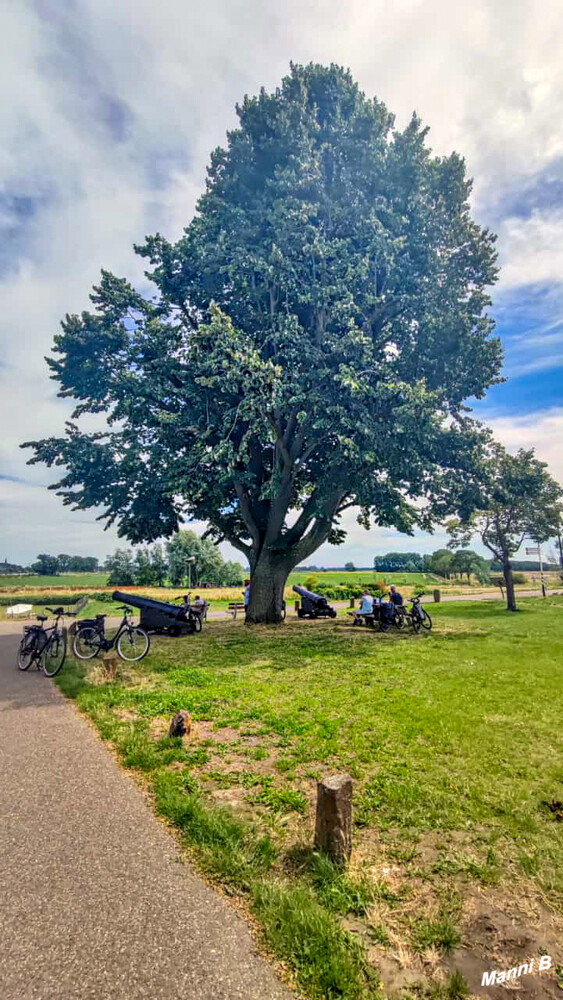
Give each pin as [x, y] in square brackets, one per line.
[41, 618]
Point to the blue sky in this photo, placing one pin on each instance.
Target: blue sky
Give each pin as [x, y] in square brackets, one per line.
[110, 111]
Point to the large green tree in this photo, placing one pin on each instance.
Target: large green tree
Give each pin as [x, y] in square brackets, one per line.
[517, 499]
[307, 346]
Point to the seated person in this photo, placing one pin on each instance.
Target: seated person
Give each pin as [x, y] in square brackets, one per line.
[394, 596]
[365, 608]
[246, 592]
[199, 604]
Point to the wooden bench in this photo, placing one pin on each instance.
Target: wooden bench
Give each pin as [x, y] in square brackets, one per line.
[235, 607]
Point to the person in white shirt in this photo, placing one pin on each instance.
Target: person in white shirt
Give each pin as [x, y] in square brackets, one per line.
[365, 608]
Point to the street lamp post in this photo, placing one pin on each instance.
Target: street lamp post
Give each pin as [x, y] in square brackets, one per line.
[190, 560]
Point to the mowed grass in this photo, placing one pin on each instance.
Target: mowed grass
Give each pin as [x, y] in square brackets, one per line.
[454, 741]
[11, 582]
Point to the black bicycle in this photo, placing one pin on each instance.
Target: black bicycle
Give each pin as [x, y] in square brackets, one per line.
[418, 616]
[131, 641]
[46, 647]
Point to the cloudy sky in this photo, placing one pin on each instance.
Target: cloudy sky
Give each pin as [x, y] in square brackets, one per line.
[110, 109]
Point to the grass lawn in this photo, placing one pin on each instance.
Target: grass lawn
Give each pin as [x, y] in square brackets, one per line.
[455, 743]
[11, 582]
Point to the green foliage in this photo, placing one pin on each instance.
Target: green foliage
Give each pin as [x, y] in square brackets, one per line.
[121, 568]
[515, 497]
[330, 284]
[188, 558]
[46, 565]
[441, 932]
[337, 890]
[392, 562]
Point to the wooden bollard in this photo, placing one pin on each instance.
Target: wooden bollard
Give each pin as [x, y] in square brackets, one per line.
[437, 596]
[352, 602]
[333, 826]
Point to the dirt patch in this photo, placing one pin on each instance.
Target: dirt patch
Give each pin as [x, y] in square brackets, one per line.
[158, 727]
[125, 715]
[205, 730]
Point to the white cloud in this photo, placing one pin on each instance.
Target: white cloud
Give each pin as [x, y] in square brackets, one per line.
[111, 107]
[532, 250]
[542, 430]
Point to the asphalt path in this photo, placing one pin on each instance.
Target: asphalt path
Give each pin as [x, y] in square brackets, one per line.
[96, 902]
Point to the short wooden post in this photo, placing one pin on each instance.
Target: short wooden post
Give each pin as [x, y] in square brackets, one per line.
[437, 596]
[352, 602]
[333, 827]
[297, 605]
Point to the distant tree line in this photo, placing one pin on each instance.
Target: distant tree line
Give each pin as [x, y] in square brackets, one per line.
[48, 565]
[185, 559]
[442, 562]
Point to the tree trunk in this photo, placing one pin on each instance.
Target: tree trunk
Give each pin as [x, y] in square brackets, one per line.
[267, 583]
[510, 595]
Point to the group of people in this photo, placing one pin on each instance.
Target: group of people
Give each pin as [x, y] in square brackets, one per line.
[367, 602]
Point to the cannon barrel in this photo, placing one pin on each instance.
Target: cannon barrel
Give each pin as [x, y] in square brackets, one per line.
[315, 598]
[146, 603]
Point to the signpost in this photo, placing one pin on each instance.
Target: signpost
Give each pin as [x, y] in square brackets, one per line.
[536, 551]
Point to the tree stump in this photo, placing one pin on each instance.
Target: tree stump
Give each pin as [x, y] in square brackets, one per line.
[180, 724]
[437, 596]
[333, 827]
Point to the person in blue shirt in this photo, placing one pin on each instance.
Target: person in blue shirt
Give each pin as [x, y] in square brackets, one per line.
[246, 592]
[365, 608]
[394, 596]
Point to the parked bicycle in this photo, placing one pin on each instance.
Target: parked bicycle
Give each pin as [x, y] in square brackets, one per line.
[131, 641]
[417, 616]
[46, 647]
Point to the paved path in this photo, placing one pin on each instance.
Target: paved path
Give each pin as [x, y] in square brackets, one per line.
[94, 903]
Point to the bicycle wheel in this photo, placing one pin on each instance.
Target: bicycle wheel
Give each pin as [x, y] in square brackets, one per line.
[426, 620]
[384, 626]
[26, 652]
[197, 623]
[54, 654]
[133, 644]
[399, 619]
[416, 623]
[86, 643]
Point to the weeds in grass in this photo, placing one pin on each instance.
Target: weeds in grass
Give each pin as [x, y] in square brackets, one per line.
[440, 932]
[280, 799]
[329, 962]
[227, 848]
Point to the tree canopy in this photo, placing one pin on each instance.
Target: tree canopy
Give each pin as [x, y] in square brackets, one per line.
[517, 499]
[307, 346]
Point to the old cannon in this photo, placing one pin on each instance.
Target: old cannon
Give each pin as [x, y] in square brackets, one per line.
[161, 616]
[313, 605]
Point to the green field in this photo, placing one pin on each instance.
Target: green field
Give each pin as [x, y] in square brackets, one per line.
[65, 580]
[366, 576]
[455, 745]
